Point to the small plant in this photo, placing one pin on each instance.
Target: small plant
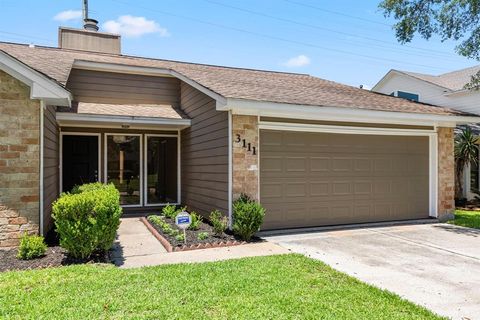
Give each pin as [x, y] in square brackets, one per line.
[195, 219]
[247, 217]
[180, 237]
[31, 247]
[202, 235]
[169, 211]
[156, 220]
[219, 222]
[179, 210]
[167, 229]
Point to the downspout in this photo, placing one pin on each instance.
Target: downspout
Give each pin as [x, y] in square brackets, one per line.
[42, 113]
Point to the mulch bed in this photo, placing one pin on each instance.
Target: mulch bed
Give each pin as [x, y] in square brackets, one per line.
[472, 205]
[54, 257]
[172, 244]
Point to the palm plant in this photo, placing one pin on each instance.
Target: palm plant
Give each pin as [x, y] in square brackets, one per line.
[466, 152]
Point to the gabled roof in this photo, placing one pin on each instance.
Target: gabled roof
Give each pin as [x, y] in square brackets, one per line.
[231, 83]
[41, 86]
[454, 80]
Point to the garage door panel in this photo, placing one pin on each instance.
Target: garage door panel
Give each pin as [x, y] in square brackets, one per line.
[314, 179]
[295, 164]
[364, 187]
[320, 164]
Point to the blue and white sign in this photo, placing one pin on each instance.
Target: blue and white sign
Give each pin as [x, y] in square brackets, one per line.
[183, 220]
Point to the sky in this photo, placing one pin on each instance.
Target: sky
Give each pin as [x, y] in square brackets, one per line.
[345, 41]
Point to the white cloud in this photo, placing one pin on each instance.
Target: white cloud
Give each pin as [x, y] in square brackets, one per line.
[68, 15]
[298, 61]
[131, 26]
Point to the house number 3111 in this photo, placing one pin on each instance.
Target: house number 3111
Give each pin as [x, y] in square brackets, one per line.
[246, 145]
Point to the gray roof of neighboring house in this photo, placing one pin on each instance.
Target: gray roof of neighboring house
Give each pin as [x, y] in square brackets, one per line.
[455, 80]
[237, 83]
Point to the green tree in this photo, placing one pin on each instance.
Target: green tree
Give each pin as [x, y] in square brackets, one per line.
[457, 20]
[466, 152]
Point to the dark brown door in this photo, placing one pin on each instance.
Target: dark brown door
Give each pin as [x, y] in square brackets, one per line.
[79, 160]
[315, 179]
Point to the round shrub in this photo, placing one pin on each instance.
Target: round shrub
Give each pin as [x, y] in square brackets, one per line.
[31, 247]
[247, 217]
[87, 219]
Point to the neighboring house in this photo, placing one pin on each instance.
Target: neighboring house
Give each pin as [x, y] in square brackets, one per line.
[446, 90]
[312, 151]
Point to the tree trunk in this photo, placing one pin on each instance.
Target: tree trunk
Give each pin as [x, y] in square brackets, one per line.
[459, 182]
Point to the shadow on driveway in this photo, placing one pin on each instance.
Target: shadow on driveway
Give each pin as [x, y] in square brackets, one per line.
[458, 230]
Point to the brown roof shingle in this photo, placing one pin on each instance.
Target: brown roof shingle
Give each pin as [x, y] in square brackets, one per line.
[229, 82]
[131, 110]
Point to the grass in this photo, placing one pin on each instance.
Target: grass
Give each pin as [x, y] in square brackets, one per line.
[470, 219]
[276, 287]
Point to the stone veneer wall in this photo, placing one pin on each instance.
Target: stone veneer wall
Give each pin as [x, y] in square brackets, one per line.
[19, 161]
[446, 173]
[245, 169]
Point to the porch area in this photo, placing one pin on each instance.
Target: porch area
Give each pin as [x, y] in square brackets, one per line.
[135, 147]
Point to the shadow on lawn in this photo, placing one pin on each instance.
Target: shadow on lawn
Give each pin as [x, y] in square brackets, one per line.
[117, 253]
[459, 230]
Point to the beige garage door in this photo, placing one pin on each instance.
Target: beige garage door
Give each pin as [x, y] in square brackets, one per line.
[318, 179]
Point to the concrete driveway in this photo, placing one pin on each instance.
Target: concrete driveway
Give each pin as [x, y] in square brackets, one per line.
[433, 265]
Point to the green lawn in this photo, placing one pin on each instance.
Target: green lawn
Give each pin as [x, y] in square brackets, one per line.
[276, 287]
[465, 218]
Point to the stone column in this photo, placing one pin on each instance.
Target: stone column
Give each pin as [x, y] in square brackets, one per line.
[446, 173]
[245, 169]
[19, 161]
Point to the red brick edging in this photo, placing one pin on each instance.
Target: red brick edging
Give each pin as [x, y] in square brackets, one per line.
[170, 248]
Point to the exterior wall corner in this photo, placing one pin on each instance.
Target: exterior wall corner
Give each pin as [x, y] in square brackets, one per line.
[19, 161]
[446, 173]
[245, 156]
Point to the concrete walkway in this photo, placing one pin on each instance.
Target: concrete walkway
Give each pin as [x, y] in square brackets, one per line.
[137, 247]
[134, 241]
[435, 265]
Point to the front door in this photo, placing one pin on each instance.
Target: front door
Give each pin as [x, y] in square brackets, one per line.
[124, 166]
[80, 160]
[161, 179]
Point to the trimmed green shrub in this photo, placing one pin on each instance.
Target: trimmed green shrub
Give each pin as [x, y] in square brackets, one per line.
[202, 235]
[219, 222]
[31, 247]
[247, 217]
[87, 187]
[169, 211]
[87, 220]
[196, 219]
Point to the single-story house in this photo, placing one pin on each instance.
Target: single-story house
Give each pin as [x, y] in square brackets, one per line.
[447, 90]
[312, 151]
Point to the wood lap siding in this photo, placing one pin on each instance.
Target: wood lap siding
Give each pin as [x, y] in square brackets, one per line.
[118, 88]
[50, 165]
[204, 151]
